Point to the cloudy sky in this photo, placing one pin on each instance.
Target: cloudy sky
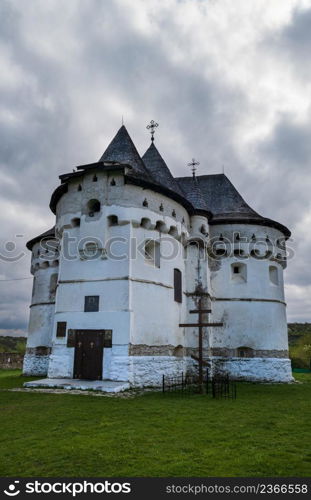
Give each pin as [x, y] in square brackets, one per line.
[228, 82]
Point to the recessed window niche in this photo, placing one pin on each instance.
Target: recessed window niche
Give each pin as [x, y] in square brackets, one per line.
[152, 253]
[238, 272]
[93, 207]
[273, 275]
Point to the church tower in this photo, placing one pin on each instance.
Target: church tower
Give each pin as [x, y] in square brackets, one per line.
[133, 252]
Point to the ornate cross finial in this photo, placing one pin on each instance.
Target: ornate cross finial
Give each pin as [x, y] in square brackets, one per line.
[151, 127]
[193, 164]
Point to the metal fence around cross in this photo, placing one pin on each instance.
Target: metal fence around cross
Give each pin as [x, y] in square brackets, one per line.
[223, 387]
[183, 384]
[217, 386]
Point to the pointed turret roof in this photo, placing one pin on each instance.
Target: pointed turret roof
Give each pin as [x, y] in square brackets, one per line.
[158, 169]
[123, 150]
[195, 195]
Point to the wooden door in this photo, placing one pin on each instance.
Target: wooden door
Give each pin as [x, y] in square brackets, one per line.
[88, 363]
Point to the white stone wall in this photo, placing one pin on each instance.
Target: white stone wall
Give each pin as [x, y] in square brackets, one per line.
[74, 202]
[252, 307]
[149, 370]
[134, 295]
[255, 369]
[156, 315]
[197, 279]
[44, 267]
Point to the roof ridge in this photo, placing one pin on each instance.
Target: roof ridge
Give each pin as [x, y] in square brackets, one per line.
[158, 169]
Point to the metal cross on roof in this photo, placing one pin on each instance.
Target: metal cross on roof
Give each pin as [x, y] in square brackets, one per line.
[193, 164]
[151, 127]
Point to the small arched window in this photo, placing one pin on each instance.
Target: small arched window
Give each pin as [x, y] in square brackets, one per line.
[75, 222]
[173, 231]
[112, 220]
[178, 351]
[238, 252]
[245, 352]
[93, 207]
[221, 252]
[95, 178]
[146, 223]
[239, 272]
[160, 226]
[79, 187]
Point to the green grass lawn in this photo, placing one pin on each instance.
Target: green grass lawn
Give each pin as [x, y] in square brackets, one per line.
[265, 432]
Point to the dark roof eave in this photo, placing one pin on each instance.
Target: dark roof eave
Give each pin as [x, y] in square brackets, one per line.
[205, 213]
[105, 165]
[48, 234]
[57, 194]
[95, 166]
[261, 221]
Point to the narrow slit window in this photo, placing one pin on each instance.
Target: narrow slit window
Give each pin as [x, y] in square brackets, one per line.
[177, 285]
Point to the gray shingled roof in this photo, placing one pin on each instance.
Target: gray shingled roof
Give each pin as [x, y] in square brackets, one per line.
[194, 194]
[220, 195]
[122, 150]
[225, 202]
[158, 169]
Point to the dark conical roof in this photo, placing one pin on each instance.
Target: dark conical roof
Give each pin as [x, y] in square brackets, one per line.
[195, 195]
[158, 169]
[122, 150]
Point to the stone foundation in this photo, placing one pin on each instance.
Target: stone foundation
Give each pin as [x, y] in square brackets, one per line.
[254, 369]
[35, 365]
[148, 370]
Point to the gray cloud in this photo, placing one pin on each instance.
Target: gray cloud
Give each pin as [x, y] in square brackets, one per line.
[294, 41]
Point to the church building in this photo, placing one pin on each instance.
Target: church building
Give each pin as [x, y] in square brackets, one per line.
[134, 254]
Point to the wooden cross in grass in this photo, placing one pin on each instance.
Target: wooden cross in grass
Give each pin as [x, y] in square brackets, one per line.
[200, 311]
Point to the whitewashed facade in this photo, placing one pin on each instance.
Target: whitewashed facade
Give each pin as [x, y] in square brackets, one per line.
[132, 252]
